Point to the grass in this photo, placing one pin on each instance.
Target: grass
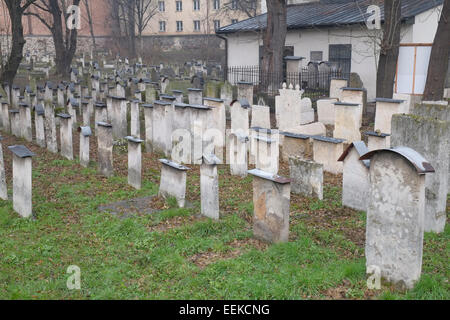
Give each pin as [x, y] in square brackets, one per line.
[130, 259]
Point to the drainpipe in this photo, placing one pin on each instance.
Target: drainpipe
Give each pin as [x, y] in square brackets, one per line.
[226, 55]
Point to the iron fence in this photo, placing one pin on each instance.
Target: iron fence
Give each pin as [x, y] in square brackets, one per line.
[315, 84]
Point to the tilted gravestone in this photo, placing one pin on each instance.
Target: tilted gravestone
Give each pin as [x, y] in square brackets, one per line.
[395, 215]
[173, 181]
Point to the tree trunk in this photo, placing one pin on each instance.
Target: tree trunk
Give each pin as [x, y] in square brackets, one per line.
[390, 48]
[132, 27]
[91, 23]
[18, 42]
[274, 38]
[437, 70]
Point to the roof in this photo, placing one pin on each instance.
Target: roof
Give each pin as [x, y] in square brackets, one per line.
[416, 159]
[268, 176]
[21, 151]
[360, 148]
[173, 165]
[318, 14]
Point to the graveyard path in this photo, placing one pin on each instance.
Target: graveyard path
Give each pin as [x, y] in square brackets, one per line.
[174, 253]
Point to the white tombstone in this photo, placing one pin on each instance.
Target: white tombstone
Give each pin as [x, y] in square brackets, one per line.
[195, 96]
[3, 185]
[385, 109]
[85, 135]
[377, 140]
[134, 162]
[306, 177]
[240, 116]
[336, 86]
[135, 118]
[66, 136]
[245, 91]
[148, 123]
[173, 181]
[325, 111]
[327, 152]
[237, 154]
[271, 201]
[101, 114]
[5, 116]
[355, 176]
[267, 153]
[50, 128]
[288, 107]
[395, 215]
[209, 187]
[260, 117]
[22, 180]
[347, 121]
[105, 148]
[162, 127]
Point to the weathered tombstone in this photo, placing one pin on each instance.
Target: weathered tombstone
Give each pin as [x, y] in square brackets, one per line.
[267, 153]
[178, 96]
[327, 152]
[260, 117]
[355, 95]
[148, 122]
[173, 181]
[293, 69]
[336, 86]
[385, 109]
[5, 116]
[240, 116]
[101, 114]
[182, 135]
[200, 116]
[296, 145]
[245, 91]
[134, 162]
[85, 135]
[237, 153]
[25, 121]
[271, 201]
[430, 137]
[85, 112]
[135, 119]
[15, 122]
[50, 128]
[226, 94]
[355, 176]
[3, 185]
[306, 177]
[66, 136]
[209, 187]
[119, 117]
[22, 180]
[377, 140]
[325, 111]
[217, 120]
[105, 148]
[195, 96]
[72, 107]
[347, 121]
[162, 127]
[395, 214]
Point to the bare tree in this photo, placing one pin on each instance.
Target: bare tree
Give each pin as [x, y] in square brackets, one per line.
[434, 87]
[389, 48]
[90, 22]
[51, 13]
[145, 11]
[16, 10]
[274, 37]
[249, 7]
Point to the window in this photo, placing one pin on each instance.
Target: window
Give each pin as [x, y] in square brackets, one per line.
[196, 25]
[216, 4]
[216, 24]
[179, 6]
[233, 21]
[196, 5]
[316, 56]
[162, 26]
[179, 26]
[162, 6]
[341, 54]
[234, 5]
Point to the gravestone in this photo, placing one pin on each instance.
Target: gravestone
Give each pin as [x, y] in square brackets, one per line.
[306, 177]
[105, 148]
[267, 153]
[271, 201]
[355, 95]
[430, 137]
[260, 117]
[22, 180]
[173, 181]
[395, 214]
[195, 96]
[85, 135]
[66, 136]
[327, 152]
[355, 176]
[101, 114]
[296, 145]
[134, 162]
[25, 122]
[237, 154]
[5, 116]
[245, 91]
[135, 119]
[209, 187]
[347, 121]
[336, 86]
[325, 111]
[3, 185]
[148, 122]
[377, 140]
[240, 117]
[162, 127]
[50, 128]
[385, 109]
